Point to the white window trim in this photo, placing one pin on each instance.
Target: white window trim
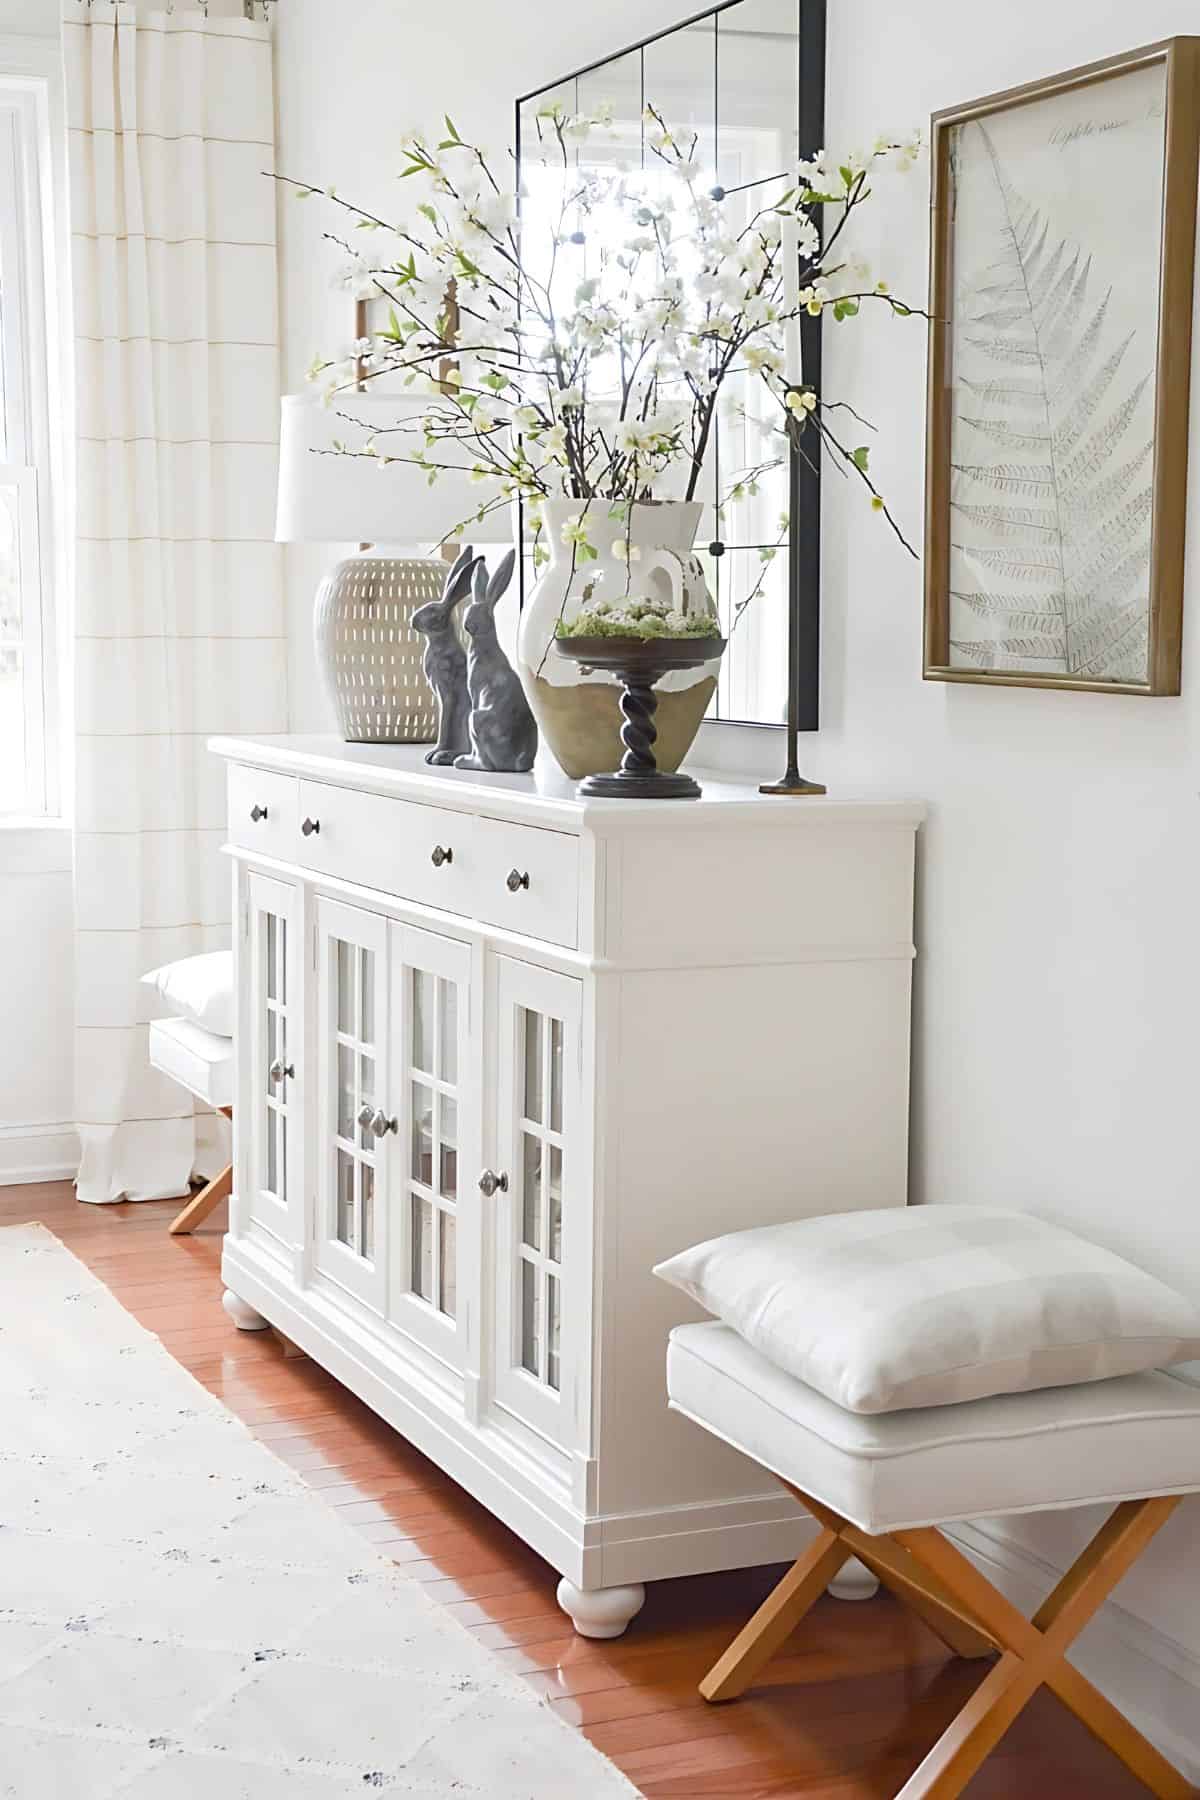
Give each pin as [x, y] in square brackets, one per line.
[31, 89]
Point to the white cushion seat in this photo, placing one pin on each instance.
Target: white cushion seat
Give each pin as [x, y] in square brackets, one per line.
[199, 1060]
[1127, 1437]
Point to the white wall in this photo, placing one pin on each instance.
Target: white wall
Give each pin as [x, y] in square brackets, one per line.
[1059, 974]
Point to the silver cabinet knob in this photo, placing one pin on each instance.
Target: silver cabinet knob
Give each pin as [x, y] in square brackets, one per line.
[438, 856]
[381, 1124]
[491, 1183]
[366, 1113]
[309, 826]
[279, 1069]
[257, 813]
[516, 879]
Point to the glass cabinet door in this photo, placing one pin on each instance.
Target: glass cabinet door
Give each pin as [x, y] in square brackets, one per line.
[357, 1128]
[431, 1061]
[276, 1045]
[536, 1222]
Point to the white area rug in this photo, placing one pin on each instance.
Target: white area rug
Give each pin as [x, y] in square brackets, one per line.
[181, 1619]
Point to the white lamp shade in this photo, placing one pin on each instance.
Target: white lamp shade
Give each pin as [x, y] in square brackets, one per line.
[329, 498]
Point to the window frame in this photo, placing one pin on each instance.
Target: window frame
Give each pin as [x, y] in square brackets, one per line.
[36, 379]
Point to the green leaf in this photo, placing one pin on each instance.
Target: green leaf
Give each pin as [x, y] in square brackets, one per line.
[847, 174]
[427, 212]
[860, 457]
[452, 128]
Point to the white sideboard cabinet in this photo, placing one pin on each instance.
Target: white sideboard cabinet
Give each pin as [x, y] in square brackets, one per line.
[499, 1051]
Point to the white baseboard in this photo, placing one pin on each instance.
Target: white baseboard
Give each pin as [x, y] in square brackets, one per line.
[1149, 1675]
[37, 1153]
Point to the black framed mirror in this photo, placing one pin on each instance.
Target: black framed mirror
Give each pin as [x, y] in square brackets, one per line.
[746, 79]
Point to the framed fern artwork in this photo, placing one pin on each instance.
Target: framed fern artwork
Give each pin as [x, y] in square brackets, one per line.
[1063, 255]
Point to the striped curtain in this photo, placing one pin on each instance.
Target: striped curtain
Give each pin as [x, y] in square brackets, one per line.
[179, 622]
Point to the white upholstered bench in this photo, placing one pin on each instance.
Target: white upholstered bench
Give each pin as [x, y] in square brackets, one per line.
[905, 1369]
[195, 1055]
[879, 1486]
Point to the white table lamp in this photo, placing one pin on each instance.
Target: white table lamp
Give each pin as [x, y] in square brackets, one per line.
[369, 655]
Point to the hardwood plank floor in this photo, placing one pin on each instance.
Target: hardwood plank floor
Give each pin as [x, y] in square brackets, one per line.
[844, 1713]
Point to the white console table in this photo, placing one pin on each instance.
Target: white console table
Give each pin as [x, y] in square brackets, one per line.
[500, 1051]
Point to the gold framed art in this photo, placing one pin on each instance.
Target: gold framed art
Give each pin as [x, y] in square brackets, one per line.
[1061, 282]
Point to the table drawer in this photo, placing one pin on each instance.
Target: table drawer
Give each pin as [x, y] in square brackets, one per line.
[416, 852]
[262, 812]
[528, 880]
[452, 860]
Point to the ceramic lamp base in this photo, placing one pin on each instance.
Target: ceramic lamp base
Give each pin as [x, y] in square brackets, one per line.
[369, 656]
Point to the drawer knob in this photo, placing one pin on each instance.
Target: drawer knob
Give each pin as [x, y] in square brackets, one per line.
[516, 880]
[257, 813]
[490, 1183]
[438, 856]
[309, 826]
[279, 1069]
[381, 1124]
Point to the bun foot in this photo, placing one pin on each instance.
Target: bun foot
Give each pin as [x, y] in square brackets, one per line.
[853, 1581]
[600, 1612]
[242, 1313]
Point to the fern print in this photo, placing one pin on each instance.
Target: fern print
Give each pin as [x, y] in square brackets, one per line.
[1051, 448]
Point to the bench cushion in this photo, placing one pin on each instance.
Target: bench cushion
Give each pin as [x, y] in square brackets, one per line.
[1123, 1439]
[199, 1060]
[932, 1305]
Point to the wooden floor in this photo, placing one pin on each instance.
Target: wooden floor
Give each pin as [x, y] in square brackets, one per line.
[844, 1714]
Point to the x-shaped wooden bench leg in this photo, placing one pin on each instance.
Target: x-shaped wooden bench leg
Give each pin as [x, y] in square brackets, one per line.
[971, 1615]
[207, 1200]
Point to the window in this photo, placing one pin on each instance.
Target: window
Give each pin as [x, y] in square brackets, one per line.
[28, 762]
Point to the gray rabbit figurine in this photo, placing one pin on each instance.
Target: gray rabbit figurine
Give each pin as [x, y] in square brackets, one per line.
[445, 660]
[503, 733]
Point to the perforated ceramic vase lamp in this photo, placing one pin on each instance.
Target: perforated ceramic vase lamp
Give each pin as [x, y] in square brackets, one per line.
[367, 651]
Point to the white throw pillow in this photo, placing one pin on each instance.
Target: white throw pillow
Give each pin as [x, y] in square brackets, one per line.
[199, 988]
[930, 1305]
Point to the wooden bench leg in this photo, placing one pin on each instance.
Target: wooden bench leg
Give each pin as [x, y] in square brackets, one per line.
[201, 1204]
[950, 1593]
[209, 1197]
[776, 1618]
[1039, 1647]
[901, 1573]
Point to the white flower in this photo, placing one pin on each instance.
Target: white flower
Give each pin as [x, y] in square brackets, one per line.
[523, 418]
[759, 310]
[686, 170]
[554, 443]
[761, 359]
[813, 173]
[571, 399]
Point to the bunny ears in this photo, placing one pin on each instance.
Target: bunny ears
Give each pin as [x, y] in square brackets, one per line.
[458, 581]
[489, 590]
